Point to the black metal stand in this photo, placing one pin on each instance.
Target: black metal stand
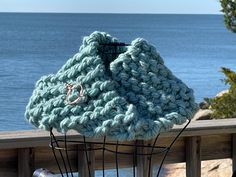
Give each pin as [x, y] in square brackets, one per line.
[61, 145]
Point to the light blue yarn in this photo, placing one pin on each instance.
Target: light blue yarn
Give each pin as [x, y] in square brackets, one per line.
[130, 96]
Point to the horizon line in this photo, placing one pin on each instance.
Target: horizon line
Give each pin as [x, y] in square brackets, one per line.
[115, 13]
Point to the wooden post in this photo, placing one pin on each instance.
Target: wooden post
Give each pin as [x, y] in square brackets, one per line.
[25, 162]
[193, 156]
[82, 162]
[234, 152]
[142, 161]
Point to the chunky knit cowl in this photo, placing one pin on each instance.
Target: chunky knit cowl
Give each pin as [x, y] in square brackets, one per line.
[128, 96]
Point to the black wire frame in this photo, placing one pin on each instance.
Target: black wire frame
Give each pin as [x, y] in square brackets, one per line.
[61, 145]
[101, 146]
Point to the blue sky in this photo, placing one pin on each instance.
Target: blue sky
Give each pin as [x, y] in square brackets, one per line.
[113, 6]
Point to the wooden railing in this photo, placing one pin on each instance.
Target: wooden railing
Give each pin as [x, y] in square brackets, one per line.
[23, 151]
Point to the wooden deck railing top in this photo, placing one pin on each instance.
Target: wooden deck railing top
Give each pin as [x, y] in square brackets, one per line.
[34, 138]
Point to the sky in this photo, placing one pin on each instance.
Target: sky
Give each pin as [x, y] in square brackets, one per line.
[112, 6]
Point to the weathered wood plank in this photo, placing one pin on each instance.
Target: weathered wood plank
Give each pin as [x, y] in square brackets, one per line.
[86, 165]
[176, 153]
[25, 162]
[216, 147]
[193, 156]
[35, 138]
[8, 163]
[205, 127]
[234, 152]
[43, 155]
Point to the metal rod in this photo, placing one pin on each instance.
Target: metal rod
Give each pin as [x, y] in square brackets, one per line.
[109, 143]
[180, 133]
[117, 167]
[54, 154]
[86, 154]
[103, 157]
[162, 162]
[163, 149]
[131, 153]
[115, 44]
[115, 53]
[135, 157]
[63, 160]
[150, 158]
[67, 157]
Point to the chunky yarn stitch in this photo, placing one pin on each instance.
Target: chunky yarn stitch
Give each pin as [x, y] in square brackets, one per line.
[125, 97]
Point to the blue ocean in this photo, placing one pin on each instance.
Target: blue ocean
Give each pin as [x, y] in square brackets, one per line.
[194, 47]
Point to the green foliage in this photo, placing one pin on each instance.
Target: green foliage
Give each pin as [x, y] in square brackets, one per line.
[225, 105]
[229, 9]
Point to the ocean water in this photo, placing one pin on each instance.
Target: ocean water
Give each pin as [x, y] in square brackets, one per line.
[194, 47]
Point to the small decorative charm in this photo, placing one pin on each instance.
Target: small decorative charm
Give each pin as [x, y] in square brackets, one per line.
[70, 88]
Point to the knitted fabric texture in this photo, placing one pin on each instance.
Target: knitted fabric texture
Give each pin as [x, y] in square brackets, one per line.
[125, 97]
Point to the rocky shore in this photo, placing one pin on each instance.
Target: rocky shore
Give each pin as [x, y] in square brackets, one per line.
[211, 168]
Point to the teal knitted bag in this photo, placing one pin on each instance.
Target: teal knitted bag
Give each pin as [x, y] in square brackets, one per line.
[125, 97]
